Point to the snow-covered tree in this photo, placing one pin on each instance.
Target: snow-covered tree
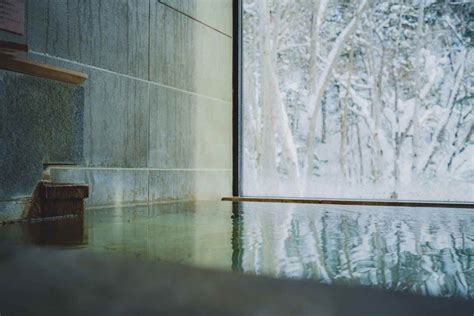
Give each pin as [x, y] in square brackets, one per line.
[361, 99]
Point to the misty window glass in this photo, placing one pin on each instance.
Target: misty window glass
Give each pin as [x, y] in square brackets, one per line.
[358, 99]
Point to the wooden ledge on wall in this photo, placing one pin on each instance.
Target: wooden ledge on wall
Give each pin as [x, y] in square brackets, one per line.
[13, 58]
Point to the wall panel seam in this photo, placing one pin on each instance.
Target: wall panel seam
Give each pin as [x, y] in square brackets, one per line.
[194, 19]
[130, 77]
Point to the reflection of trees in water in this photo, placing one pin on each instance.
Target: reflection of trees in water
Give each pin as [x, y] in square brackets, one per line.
[427, 253]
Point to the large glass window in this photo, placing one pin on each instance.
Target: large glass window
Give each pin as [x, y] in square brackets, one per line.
[358, 99]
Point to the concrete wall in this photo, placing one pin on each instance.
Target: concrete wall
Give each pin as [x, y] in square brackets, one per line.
[157, 112]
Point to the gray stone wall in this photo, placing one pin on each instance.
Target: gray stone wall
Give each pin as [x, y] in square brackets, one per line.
[41, 124]
[157, 104]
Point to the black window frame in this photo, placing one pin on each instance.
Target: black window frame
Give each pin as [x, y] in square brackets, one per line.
[236, 96]
[237, 143]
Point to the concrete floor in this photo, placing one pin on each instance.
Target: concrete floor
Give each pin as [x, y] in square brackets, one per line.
[45, 281]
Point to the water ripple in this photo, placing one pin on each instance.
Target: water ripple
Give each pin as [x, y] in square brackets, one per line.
[428, 252]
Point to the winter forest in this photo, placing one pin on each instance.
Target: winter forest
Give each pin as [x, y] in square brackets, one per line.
[358, 98]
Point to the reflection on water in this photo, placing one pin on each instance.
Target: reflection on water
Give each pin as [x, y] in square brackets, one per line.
[424, 251]
[187, 233]
[67, 232]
